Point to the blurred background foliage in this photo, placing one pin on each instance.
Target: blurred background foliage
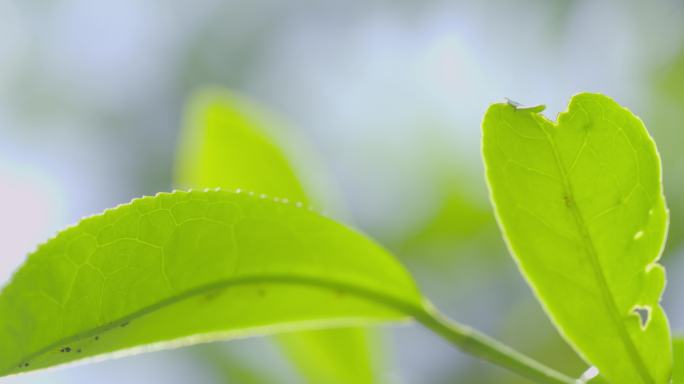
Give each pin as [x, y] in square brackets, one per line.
[389, 93]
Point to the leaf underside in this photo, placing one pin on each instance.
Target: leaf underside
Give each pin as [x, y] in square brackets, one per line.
[187, 267]
[230, 142]
[580, 203]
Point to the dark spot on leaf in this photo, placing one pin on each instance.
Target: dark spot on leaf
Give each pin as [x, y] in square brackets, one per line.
[65, 349]
[568, 200]
[26, 365]
[97, 337]
[125, 323]
[212, 295]
[78, 350]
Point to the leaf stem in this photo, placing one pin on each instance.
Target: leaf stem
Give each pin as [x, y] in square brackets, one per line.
[483, 347]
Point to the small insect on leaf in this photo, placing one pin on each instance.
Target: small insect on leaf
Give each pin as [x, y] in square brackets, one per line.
[519, 107]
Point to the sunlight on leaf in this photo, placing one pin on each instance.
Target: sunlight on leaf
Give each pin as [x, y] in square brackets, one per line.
[230, 142]
[223, 145]
[188, 267]
[581, 205]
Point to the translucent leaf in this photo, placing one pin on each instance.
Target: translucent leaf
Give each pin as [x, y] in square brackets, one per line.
[184, 268]
[230, 142]
[581, 205]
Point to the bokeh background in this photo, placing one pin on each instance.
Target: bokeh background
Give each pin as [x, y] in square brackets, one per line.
[390, 94]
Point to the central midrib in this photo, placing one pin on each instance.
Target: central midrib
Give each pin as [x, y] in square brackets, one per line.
[402, 306]
[596, 265]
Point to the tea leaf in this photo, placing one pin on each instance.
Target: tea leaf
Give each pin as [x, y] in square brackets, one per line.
[580, 203]
[678, 367]
[339, 355]
[230, 142]
[182, 268]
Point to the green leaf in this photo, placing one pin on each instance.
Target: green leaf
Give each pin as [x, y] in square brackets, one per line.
[340, 355]
[224, 146]
[678, 367]
[183, 268]
[580, 203]
[230, 142]
[226, 363]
